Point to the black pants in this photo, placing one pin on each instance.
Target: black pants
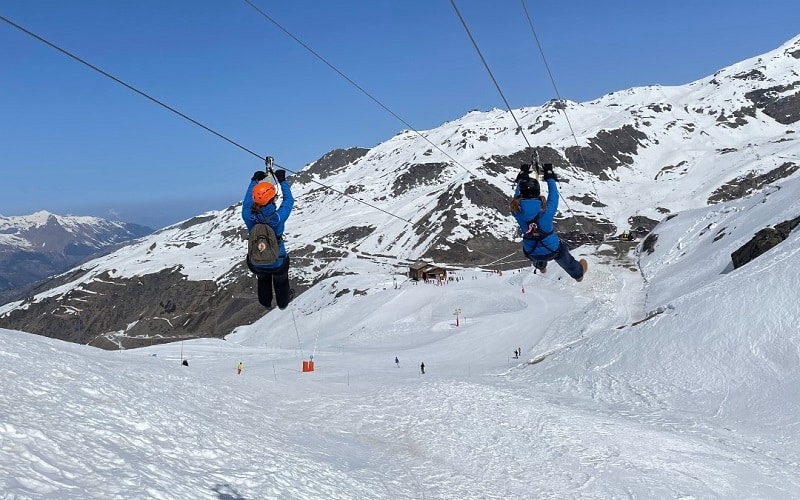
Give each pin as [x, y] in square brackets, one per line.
[280, 280]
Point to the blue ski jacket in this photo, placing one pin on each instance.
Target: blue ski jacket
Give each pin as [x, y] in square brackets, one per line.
[269, 214]
[530, 207]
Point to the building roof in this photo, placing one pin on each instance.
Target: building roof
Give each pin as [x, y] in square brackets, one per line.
[425, 267]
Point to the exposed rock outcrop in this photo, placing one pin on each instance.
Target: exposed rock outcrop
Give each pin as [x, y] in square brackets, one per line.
[764, 240]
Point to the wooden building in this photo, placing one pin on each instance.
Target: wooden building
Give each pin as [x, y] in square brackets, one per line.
[424, 271]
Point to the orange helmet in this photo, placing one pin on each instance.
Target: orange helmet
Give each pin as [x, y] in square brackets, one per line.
[263, 193]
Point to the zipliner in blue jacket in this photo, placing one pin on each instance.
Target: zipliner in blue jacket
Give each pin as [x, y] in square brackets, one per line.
[529, 208]
[269, 214]
[526, 206]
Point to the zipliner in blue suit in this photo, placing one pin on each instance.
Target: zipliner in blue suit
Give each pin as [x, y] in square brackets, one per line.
[526, 206]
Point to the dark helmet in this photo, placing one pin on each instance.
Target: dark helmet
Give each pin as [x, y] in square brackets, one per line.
[529, 188]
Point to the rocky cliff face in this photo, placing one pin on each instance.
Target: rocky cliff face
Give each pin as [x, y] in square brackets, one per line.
[762, 241]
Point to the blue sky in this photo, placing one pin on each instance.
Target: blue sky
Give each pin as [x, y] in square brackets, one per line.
[75, 142]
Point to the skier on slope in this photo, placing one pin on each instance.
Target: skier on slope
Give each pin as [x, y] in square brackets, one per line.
[540, 243]
[258, 206]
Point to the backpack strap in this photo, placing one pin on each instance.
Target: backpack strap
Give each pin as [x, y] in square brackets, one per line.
[260, 219]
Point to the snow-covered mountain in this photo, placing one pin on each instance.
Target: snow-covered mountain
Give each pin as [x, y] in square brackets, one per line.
[625, 161]
[39, 245]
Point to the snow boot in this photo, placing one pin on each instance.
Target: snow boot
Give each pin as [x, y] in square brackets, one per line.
[291, 297]
[585, 266]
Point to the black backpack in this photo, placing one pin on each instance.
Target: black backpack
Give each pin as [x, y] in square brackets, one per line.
[263, 247]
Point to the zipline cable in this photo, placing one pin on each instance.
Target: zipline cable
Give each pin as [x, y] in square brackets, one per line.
[491, 75]
[572, 131]
[130, 87]
[183, 115]
[356, 85]
[519, 127]
[342, 193]
[297, 332]
[563, 110]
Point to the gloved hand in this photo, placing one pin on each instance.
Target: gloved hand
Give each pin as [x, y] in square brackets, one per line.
[259, 176]
[280, 175]
[524, 172]
[547, 168]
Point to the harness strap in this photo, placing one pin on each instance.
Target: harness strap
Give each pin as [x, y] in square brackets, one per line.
[538, 240]
[535, 221]
[547, 256]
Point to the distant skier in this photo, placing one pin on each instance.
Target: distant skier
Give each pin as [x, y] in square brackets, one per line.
[258, 207]
[422, 367]
[397, 361]
[239, 368]
[540, 243]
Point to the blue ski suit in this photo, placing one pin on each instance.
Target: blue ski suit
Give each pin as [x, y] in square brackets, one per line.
[551, 247]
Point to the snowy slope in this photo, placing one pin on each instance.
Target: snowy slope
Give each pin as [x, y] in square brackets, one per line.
[694, 247]
[698, 401]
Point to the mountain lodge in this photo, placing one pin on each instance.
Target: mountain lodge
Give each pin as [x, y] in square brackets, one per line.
[424, 271]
